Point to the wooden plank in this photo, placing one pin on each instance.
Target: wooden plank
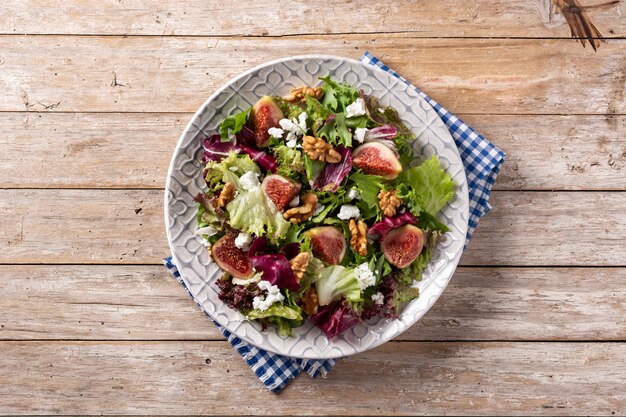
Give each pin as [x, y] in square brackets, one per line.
[507, 76]
[575, 153]
[399, 378]
[490, 18]
[143, 303]
[126, 226]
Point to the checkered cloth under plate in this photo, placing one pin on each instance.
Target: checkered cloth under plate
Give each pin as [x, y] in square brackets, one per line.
[482, 161]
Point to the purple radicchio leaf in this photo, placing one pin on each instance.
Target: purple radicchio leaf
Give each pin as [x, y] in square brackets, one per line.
[276, 270]
[383, 134]
[215, 149]
[335, 318]
[290, 250]
[330, 178]
[245, 136]
[380, 229]
[259, 246]
[264, 159]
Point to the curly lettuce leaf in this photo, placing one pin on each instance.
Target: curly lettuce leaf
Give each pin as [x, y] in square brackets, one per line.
[277, 310]
[335, 131]
[252, 212]
[336, 281]
[337, 96]
[430, 186]
[290, 160]
[233, 124]
[229, 169]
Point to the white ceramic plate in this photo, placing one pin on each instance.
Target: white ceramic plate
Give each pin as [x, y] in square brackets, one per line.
[184, 181]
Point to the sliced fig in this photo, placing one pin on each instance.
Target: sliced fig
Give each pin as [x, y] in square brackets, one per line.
[280, 190]
[327, 244]
[403, 245]
[376, 159]
[264, 115]
[230, 258]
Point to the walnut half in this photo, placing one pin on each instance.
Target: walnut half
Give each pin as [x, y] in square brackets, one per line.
[388, 202]
[300, 93]
[310, 301]
[319, 149]
[303, 212]
[358, 241]
[299, 264]
[226, 195]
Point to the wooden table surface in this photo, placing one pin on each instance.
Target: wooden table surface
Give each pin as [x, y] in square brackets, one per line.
[93, 97]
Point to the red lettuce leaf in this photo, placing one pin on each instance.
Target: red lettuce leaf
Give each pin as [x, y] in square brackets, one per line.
[381, 132]
[335, 318]
[276, 270]
[330, 178]
[245, 136]
[379, 230]
[215, 149]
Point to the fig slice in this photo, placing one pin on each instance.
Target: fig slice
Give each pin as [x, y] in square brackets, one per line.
[230, 258]
[403, 245]
[375, 158]
[264, 115]
[327, 244]
[280, 190]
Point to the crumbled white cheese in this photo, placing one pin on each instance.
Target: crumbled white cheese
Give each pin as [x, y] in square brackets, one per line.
[295, 201]
[250, 181]
[275, 132]
[378, 298]
[243, 281]
[263, 302]
[302, 122]
[291, 143]
[364, 276]
[206, 243]
[208, 230]
[243, 240]
[359, 134]
[318, 209]
[356, 109]
[348, 211]
[288, 126]
[352, 194]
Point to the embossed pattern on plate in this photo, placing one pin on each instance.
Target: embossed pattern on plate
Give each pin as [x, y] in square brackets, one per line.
[184, 181]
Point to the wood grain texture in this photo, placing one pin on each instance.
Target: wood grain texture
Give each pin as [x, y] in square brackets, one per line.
[449, 18]
[126, 226]
[397, 378]
[161, 74]
[145, 303]
[543, 152]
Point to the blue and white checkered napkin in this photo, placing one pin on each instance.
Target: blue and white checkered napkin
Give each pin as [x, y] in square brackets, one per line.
[482, 162]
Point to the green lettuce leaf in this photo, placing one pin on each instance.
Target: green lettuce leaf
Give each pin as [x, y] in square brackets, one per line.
[336, 132]
[431, 186]
[229, 169]
[233, 124]
[336, 281]
[252, 212]
[290, 160]
[312, 168]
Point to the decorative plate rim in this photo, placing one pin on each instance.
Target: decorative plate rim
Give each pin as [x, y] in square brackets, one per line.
[332, 354]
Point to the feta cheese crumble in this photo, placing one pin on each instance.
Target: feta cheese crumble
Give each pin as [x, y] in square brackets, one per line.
[246, 281]
[364, 276]
[250, 181]
[243, 240]
[348, 211]
[263, 302]
[295, 201]
[352, 194]
[359, 134]
[275, 132]
[208, 230]
[356, 109]
[291, 143]
[378, 298]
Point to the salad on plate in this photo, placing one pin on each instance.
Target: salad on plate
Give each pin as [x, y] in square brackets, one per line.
[316, 209]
